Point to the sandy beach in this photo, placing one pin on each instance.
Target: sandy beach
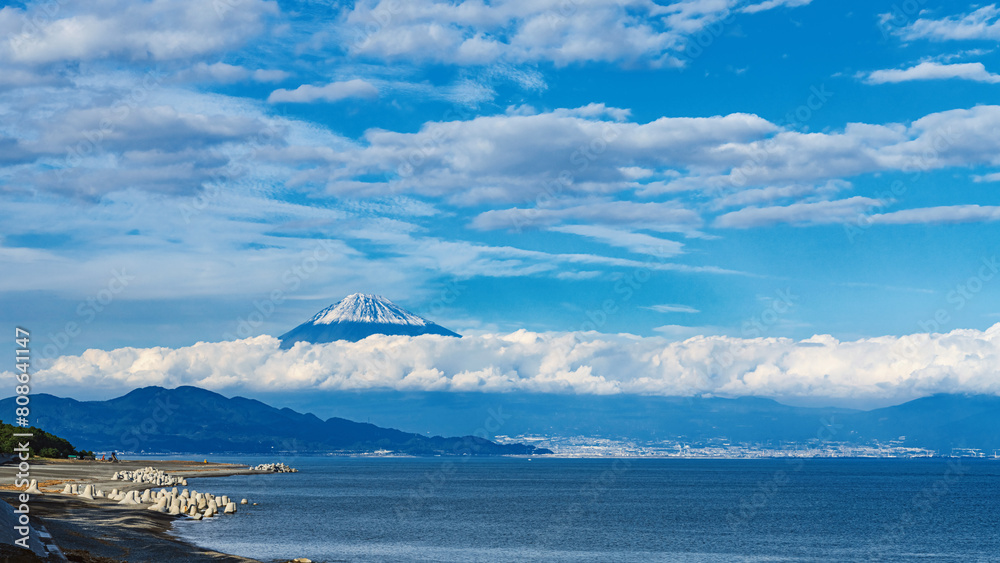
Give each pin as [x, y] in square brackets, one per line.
[101, 530]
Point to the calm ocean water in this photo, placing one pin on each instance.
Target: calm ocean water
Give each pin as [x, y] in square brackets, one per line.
[440, 509]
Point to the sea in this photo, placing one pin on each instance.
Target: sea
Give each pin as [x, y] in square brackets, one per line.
[468, 509]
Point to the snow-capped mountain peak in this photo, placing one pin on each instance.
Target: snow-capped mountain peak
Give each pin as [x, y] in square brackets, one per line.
[366, 308]
[357, 317]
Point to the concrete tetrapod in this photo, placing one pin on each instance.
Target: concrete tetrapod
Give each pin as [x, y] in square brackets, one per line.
[130, 498]
[33, 487]
[88, 492]
[230, 508]
[68, 489]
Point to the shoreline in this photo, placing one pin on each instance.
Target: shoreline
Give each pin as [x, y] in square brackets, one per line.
[103, 531]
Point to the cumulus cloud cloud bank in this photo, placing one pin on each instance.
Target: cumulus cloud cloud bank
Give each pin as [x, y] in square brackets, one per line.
[890, 367]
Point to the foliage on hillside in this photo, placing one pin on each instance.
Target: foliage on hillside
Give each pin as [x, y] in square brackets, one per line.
[41, 444]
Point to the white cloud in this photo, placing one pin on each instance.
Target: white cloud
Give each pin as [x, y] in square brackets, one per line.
[224, 73]
[899, 368]
[683, 332]
[672, 309]
[930, 70]
[529, 169]
[130, 30]
[568, 166]
[942, 214]
[802, 192]
[991, 177]
[661, 217]
[269, 75]
[853, 210]
[618, 31]
[771, 4]
[543, 162]
[462, 259]
[983, 23]
[517, 157]
[958, 137]
[824, 212]
[333, 92]
[12, 78]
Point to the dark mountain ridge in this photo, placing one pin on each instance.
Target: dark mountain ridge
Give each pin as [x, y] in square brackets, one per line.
[193, 420]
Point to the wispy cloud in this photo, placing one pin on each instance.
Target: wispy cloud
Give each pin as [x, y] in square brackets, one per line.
[934, 71]
[332, 92]
[771, 4]
[223, 73]
[991, 177]
[983, 23]
[653, 216]
[824, 212]
[940, 214]
[638, 243]
[672, 309]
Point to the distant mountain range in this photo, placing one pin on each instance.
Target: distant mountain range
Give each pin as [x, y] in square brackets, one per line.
[939, 422]
[359, 316]
[193, 420]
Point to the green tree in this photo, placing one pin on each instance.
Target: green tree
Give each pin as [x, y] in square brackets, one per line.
[42, 444]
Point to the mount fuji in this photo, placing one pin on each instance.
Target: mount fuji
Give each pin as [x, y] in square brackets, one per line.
[357, 317]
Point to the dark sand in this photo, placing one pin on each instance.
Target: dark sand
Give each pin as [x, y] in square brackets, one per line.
[102, 531]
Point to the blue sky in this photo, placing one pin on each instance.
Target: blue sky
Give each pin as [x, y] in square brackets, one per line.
[184, 171]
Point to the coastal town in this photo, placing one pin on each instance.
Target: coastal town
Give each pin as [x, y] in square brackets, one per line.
[721, 448]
